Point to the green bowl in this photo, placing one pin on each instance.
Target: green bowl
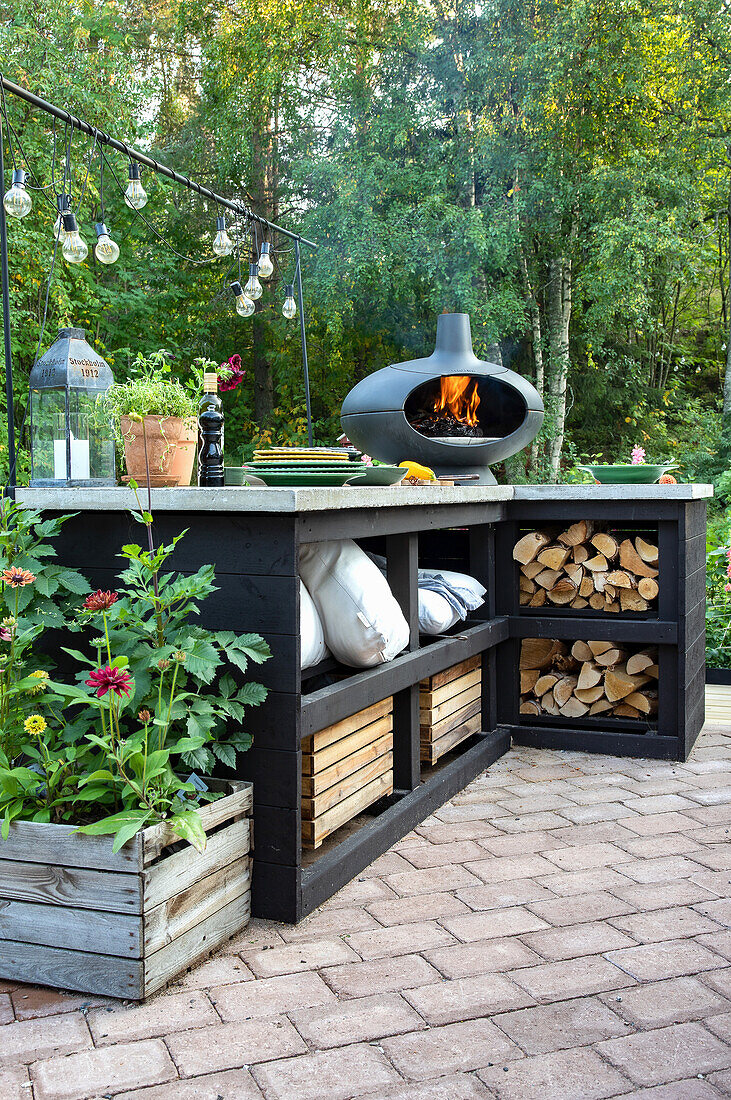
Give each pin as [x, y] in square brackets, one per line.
[233, 475]
[380, 475]
[627, 474]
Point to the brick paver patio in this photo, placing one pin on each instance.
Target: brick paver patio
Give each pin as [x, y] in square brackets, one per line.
[561, 930]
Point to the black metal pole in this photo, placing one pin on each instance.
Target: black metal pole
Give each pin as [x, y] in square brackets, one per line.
[141, 158]
[303, 336]
[6, 324]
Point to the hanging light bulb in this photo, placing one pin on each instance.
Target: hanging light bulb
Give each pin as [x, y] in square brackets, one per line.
[63, 205]
[73, 248]
[17, 201]
[135, 196]
[106, 250]
[244, 305]
[289, 309]
[222, 243]
[266, 267]
[253, 288]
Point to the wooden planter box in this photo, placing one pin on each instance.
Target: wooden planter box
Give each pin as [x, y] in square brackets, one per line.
[450, 708]
[346, 768]
[76, 916]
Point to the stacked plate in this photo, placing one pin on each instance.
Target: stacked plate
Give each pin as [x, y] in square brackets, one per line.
[305, 465]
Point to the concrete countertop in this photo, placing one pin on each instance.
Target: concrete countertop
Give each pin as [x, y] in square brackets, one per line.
[291, 500]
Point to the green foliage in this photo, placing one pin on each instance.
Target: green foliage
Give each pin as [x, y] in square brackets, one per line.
[718, 592]
[151, 391]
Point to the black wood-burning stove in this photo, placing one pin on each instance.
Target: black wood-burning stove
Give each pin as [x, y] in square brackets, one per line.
[451, 411]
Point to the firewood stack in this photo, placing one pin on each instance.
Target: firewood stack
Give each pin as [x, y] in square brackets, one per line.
[587, 679]
[585, 567]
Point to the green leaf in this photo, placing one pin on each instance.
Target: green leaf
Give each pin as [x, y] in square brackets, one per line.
[123, 825]
[188, 825]
[74, 582]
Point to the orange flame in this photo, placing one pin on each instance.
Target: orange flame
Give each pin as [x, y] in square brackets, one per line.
[459, 397]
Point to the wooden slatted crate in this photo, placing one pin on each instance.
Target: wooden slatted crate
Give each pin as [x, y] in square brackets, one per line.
[346, 768]
[75, 915]
[450, 708]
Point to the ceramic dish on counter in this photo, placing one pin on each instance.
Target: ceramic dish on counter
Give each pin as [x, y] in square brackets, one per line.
[291, 476]
[641, 473]
[379, 475]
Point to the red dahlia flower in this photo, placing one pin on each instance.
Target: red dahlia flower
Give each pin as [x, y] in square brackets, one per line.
[100, 601]
[233, 375]
[109, 679]
[17, 578]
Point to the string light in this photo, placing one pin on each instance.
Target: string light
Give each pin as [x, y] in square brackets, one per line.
[63, 205]
[17, 201]
[266, 267]
[135, 196]
[73, 249]
[222, 243]
[253, 288]
[244, 305]
[106, 250]
[289, 309]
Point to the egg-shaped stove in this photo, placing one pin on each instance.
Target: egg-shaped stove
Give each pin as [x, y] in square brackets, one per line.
[451, 411]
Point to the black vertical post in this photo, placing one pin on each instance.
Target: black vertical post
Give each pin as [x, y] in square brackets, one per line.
[6, 323]
[402, 563]
[303, 337]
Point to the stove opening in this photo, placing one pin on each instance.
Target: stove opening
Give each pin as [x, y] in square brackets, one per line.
[465, 408]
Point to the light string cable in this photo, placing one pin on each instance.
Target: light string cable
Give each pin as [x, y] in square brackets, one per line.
[150, 226]
[15, 143]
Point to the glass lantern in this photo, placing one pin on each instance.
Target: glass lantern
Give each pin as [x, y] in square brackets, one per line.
[72, 441]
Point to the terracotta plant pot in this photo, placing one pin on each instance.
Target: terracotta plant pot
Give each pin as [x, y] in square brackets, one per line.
[161, 435]
[181, 467]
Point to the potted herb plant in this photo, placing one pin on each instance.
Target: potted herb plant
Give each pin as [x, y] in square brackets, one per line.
[119, 866]
[156, 421]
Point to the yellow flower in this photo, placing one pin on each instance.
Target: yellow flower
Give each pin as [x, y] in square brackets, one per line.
[41, 676]
[35, 725]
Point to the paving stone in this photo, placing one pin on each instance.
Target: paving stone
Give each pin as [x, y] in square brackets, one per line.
[667, 844]
[591, 796]
[662, 895]
[443, 833]
[15, 1083]
[493, 923]
[270, 996]
[437, 855]
[159, 1016]
[668, 959]
[387, 864]
[688, 1089]
[419, 907]
[719, 979]
[586, 857]
[719, 911]
[720, 942]
[717, 857]
[29, 1040]
[480, 811]
[570, 883]
[580, 908]
[598, 833]
[720, 1025]
[714, 882]
[520, 844]
[258, 933]
[721, 1081]
[611, 811]
[459, 1087]
[431, 880]
[535, 803]
[659, 1004]
[355, 1021]
[400, 939]
[221, 970]
[667, 1054]
[509, 868]
[359, 892]
[531, 823]
[293, 957]
[327, 1075]
[7, 1015]
[109, 1069]
[665, 924]
[233, 1084]
[715, 796]
[711, 815]
[659, 804]
[329, 922]
[564, 1075]
[467, 998]
[575, 1023]
[380, 975]
[570, 941]
[503, 894]
[481, 957]
[580, 977]
[446, 1049]
[230, 1046]
[31, 1002]
[654, 824]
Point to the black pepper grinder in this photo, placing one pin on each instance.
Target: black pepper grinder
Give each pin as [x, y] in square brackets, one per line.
[210, 434]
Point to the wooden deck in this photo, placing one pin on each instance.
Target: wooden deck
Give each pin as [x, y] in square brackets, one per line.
[718, 703]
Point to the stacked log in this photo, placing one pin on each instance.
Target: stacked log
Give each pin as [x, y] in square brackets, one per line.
[587, 679]
[586, 567]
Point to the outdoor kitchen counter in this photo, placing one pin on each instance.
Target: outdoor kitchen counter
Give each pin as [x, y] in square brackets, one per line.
[252, 536]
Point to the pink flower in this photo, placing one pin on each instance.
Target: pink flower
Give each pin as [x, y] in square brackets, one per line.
[100, 601]
[232, 375]
[727, 587]
[5, 635]
[366, 460]
[638, 455]
[109, 679]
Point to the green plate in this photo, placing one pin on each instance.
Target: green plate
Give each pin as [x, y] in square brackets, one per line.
[301, 477]
[380, 475]
[627, 474]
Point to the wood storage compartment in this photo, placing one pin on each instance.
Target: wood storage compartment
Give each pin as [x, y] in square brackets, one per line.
[346, 768]
[588, 567]
[588, 679]
[75, 915]
[450, 708]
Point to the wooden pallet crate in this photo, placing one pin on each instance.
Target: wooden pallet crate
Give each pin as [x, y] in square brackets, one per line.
[75, 915]
[346, 768]
[450, 708]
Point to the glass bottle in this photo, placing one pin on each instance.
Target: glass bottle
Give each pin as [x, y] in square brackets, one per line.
[209, 402]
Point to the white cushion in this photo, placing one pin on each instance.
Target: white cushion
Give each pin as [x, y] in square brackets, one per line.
[362, 621]
[312, 638]
[436, 615]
